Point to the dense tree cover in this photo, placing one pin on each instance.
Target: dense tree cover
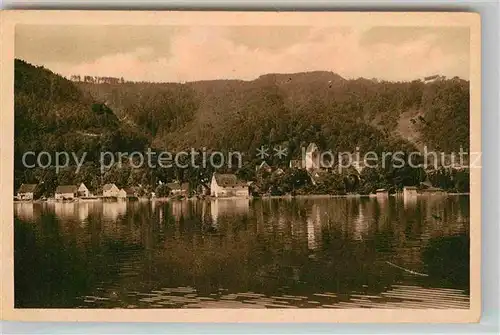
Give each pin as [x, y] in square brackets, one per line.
[155, 109]
[56, 114]
[162, 190]
[450, 179]
[297, 181]
[445, 123]
[294, 109]
[52, 114]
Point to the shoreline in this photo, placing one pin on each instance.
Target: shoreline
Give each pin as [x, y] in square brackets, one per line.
[208, 198]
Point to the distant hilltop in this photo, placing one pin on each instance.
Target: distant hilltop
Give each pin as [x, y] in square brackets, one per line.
[279, 78]
[283, 78]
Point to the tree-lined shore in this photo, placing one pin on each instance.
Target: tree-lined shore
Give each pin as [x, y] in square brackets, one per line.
[290, 110]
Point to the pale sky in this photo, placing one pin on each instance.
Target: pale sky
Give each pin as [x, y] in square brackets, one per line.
[179, 54]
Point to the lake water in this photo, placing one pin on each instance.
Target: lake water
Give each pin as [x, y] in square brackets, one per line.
[261, 253]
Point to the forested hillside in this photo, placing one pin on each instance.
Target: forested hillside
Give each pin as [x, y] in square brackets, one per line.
[292, 110]
[52, 114]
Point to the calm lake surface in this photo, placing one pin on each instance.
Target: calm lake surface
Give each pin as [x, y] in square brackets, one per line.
[262, 253]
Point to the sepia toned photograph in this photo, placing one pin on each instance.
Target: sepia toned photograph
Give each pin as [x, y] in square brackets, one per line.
[251, 162]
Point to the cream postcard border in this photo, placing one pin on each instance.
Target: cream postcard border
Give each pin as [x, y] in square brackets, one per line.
[8, 20]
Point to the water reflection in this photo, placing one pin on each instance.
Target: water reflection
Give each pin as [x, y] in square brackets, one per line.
[179, 209]
[410, 201]
[301, 252]
[361, 225]
[228, 207]
[112, 210]
[83, 212]
[27, 211]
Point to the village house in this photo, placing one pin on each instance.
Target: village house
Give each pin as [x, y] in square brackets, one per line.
[66, 192]
[122, 194]
[26, 191]
[110, 190]
[227, 185]
[178, 189]
[427, 187]
[382, 192]
[262, 167]
[312, 157]
[83, 191]
[278, 172]
[131, 192]
[429, 190]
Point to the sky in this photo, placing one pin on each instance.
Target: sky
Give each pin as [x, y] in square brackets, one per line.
[182, 53]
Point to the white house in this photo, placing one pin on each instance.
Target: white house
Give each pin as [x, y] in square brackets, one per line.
[278, 172]
[66, 192]
[110, 190]
[26, 191]
[122, 194]
[83, 191]
[382, 192]
[227, 185]
[312, 156]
